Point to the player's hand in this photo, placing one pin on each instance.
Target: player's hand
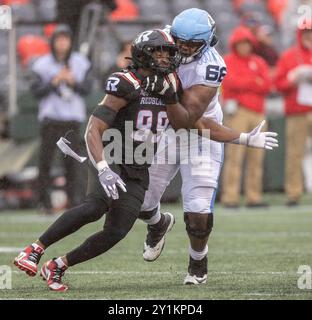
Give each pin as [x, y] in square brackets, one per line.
[301, 73]
[155, 83]
[258, 139]
[165, 86]
[109, 181]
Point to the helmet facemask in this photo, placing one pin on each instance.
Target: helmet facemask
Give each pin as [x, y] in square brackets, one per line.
[149, 61]
[198, 44]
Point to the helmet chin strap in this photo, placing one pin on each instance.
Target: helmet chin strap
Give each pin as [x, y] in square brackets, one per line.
[195, 55]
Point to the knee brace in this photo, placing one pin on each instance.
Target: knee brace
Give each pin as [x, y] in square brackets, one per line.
[197, 229]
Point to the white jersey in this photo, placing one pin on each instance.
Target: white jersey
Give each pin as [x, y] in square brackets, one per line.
[209, 70]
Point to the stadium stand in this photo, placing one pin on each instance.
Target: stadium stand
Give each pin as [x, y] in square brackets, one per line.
[143, 14]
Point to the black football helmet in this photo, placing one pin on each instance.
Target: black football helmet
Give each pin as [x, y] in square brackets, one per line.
[150, 41]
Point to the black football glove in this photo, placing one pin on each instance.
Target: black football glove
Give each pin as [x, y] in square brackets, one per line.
[166, 87]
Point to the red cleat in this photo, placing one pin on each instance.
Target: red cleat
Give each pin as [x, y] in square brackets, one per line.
[29, 258]
[53, 274]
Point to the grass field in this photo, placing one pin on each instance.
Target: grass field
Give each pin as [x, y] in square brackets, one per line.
[252, 255]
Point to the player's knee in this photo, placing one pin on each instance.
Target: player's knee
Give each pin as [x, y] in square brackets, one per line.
[93, 209]
[198, 225]
[115, 234]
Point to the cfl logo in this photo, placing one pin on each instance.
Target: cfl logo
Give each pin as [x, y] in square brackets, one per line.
[5, 18]
[5, 277]
[305, 280]
[305, 16]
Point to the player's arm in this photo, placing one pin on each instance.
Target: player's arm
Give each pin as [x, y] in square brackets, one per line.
[101, 119]
[255, 138]
[185, 111]
[215, 131]
[194, 102]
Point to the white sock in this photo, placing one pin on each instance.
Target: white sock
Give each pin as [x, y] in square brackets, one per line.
[60, 262]
[35, 245]
[154, 219]
[198, 255]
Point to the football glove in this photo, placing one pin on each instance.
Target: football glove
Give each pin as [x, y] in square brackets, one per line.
[110, 180]
[258, 139]
[165, 86]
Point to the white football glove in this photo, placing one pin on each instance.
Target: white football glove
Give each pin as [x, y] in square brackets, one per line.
[258, 139]
[109, 179]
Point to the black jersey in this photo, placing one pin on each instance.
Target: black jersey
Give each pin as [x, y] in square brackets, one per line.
[142, 120]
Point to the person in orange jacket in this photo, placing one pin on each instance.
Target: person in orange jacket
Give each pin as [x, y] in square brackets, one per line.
[294, 81]
[244, 90]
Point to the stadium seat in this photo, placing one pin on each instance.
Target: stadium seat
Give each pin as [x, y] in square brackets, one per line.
[155, 9]
[254, 6]
[46, 9]
[23, 30]
[24, 12]
[126, 10]
[227, 21]
[15, 2]
[181, 5]
[216, 7]
[30, 47]
[125, 32]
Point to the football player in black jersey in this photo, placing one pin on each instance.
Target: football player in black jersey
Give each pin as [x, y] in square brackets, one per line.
[153, 53]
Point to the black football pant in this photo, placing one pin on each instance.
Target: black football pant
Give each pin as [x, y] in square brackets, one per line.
[121, 214]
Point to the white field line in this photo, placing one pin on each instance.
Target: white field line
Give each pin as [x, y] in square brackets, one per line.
[10, 249]
[170, 273]
[35, 218]
[217, 233]
[277, 294]
[181, 251]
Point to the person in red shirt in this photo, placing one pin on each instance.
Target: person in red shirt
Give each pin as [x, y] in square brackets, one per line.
[244, 90]
[294, 80]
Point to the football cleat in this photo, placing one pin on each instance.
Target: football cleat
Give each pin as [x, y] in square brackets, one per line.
[197, 272]
[155, 239]
[52, 274]
[28, 259]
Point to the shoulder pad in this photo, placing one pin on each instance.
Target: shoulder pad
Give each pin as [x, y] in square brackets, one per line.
[122, 84]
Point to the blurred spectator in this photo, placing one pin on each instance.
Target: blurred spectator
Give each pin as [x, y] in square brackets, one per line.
[121, 61]
[294, 80]
[69, 11]
[251, 20]
[60, 80]
[265, 46]
[30, 47]
[244, 90]
[126, 10]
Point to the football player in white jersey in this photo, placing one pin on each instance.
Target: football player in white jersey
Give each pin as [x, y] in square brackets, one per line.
[201, 74]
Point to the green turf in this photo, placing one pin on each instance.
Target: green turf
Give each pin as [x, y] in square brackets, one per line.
[252, 255]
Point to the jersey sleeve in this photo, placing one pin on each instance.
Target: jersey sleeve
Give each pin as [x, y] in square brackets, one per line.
[210, 71]
[121, 85]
